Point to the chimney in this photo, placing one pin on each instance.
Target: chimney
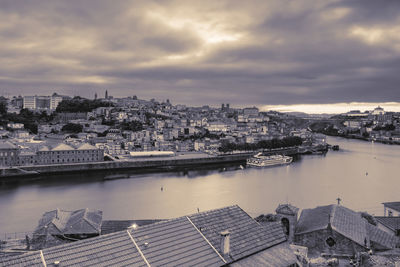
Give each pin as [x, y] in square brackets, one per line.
[225, 246]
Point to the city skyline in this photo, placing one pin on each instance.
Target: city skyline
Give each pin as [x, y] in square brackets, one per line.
[259, 53]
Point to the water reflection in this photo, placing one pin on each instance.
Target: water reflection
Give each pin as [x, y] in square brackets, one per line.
[309, 181]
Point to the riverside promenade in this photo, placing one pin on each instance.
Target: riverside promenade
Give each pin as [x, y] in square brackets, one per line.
[154, 163]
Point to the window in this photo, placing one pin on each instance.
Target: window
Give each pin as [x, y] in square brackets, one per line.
[330, 241]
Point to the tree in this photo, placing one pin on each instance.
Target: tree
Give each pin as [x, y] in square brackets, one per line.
[134, 126]
[3, 108]
[72, 128]
[78, 104]
[31, 126]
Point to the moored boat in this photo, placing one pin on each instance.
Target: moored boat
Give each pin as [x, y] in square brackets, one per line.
[265, 161]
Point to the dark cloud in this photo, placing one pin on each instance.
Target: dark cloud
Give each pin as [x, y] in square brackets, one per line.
[264, 52]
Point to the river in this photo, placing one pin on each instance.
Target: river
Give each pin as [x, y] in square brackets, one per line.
[362, 174]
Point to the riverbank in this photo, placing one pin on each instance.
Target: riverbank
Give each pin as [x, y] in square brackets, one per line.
[149, 164]
[36, 172]
[368, 139]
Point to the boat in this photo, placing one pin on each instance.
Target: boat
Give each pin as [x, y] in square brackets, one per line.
[265, 161]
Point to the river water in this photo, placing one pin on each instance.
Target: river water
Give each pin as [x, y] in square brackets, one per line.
[362, 174]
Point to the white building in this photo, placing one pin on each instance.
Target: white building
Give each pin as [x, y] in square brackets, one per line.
[42, 102]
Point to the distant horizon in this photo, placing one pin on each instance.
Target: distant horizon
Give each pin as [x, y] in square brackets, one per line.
[322, 108]
[334, 108]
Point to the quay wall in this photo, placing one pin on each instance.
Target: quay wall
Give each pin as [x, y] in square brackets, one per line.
[154, 163]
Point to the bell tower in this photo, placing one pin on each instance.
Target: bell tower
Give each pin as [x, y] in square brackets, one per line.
[287, 215]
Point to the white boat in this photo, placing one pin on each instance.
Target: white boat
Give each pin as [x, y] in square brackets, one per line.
[264, 161]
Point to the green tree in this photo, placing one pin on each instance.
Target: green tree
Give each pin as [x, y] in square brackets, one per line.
[72, 128]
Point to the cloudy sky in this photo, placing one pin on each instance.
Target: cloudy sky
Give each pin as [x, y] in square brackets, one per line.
[204, 52]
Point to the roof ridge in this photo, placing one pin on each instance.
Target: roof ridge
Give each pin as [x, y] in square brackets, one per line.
[193, 214]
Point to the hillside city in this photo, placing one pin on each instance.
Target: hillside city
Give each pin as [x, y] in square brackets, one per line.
[60, 129]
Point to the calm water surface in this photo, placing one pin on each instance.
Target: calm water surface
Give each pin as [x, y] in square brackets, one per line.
[312, 180]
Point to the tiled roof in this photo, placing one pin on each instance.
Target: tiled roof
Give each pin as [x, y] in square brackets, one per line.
[175, 243]
[343, 220]
[382, 238]
[392, 205]
[350, 224]
[280, 255]
[44, 148]
[187, 241]
[83, 221]
[27, 259]
[111, 226]
[86, 146]
[313, 219]
[114, 249]
[392, 223]
[246, 235]
[7, 145]
[62, 147]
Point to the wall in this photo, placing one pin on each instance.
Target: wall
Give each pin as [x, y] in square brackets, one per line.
[316, 243]
[138, 164]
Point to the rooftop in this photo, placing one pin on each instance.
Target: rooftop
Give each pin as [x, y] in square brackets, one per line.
[343, 220]
[59, 222]
[7, 145]
[393, 223]
[185, 241]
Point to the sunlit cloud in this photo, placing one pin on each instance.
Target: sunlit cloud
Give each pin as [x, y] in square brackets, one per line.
[369, 35]
[335, 108]
[210, 52]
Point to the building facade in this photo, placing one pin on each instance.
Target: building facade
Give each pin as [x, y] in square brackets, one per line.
[8, 154]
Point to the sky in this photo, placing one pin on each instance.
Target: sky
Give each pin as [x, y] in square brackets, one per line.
[263, 53]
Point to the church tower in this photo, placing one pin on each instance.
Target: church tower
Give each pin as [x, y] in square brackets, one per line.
[287, 215]
[106, 96]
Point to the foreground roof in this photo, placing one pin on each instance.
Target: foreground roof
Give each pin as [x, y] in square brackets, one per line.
[246, 235]
[112, 226]
[279, 255]
[185, 241]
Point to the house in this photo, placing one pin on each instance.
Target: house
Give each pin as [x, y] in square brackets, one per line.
[61, 226]
[8, 154]
[337, 230]
[221, 237]
[15, 126]
[63, 153]
[391, 208]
